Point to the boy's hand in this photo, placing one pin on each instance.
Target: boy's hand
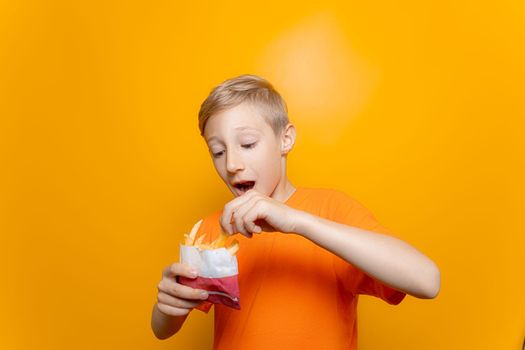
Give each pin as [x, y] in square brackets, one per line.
[253, 212]
[175, 299]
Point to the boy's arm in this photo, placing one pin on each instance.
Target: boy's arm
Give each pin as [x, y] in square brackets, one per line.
[383, 257]
[175, 300]
[164, 326]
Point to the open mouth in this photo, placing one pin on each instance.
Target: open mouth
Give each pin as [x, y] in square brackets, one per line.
[244, 186]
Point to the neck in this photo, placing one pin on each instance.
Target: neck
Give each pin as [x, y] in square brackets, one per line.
[284, 189]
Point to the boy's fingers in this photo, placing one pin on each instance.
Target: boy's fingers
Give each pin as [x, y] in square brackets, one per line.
[226, 228]
[182, 291]
[178, 269]
[172, 311]
[264, 225]
[253, 228]
[225, 223]
[233, 206]
[242, 223]
[167, 299]
[236, 218]
[239, 227]
[251, 217]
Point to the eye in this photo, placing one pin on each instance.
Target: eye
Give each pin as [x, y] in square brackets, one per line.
[249, 145]
[217, 154]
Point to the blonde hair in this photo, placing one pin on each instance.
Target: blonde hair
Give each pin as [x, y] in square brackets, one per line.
[246, 88]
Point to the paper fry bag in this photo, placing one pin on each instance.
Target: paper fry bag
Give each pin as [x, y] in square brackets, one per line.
[217, 266]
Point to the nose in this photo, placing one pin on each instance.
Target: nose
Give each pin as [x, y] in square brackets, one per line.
[233, 162]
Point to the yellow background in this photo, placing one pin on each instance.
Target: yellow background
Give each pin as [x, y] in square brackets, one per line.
[414, 108]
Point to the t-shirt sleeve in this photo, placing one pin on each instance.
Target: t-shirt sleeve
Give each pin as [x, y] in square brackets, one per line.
[350, 212]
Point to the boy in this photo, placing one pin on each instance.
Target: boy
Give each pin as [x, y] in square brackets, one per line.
[314, 250]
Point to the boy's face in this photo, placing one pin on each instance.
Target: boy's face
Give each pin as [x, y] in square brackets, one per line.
[245, 151]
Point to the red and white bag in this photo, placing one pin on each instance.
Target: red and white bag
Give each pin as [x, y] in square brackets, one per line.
[217, 266]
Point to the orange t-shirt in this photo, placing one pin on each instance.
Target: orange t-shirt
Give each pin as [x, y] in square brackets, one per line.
[293, 293]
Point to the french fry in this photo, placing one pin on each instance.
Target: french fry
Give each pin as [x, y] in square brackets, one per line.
[205, 246]
[191, 237]
[219, 242]
[199, 240]
[233, 247]
[215, 254]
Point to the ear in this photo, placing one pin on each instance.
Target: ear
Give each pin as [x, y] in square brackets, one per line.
[288, 138]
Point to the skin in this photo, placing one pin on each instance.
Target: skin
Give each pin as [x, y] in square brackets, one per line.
[244, 146]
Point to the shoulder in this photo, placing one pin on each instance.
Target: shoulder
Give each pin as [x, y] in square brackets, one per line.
[342, 207]
[329, 196]
[329, 203]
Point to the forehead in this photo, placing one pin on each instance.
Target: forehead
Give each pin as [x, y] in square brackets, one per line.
[243, 117]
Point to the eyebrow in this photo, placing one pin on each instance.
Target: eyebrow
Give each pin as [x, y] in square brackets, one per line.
[245, 127]
[237, 128]
[212, 138]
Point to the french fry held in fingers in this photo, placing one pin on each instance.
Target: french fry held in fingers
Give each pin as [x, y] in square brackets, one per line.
[219, 242]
